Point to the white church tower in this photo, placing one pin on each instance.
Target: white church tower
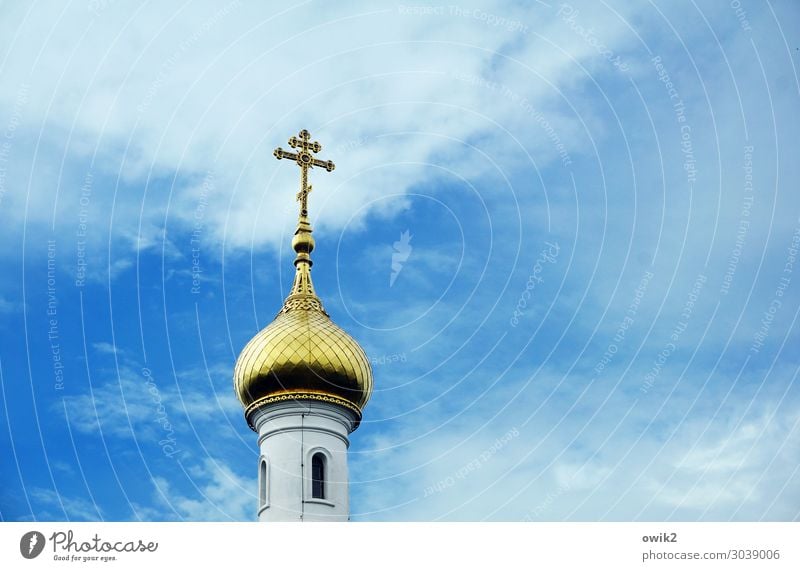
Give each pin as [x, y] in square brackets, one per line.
[303, 383]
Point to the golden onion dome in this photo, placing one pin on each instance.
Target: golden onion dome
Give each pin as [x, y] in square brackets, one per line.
[302, 354]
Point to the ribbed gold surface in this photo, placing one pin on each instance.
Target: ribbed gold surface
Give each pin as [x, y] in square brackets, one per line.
[303, 351]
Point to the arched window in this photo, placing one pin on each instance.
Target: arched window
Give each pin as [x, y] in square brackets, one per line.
[262, 483]
[318, 476]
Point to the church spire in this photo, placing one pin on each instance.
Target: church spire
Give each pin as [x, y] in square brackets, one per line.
[302, 294]
[303, 383]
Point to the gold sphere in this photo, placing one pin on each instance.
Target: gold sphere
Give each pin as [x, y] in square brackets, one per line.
[303, 243]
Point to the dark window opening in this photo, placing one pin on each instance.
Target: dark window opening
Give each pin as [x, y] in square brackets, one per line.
[262, 488]
[318, 476]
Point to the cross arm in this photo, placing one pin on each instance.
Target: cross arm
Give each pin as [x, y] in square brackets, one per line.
[327, 165]
[304, 144]
[281, 154]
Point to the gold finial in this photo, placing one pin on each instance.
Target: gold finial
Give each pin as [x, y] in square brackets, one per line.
[305, 160]
[302, 293]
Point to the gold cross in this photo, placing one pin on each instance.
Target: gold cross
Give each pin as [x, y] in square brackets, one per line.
[305, 160]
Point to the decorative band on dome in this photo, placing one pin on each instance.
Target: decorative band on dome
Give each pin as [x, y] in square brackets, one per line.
[304, 303]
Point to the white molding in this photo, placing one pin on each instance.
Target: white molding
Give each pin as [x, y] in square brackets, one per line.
[321, 502]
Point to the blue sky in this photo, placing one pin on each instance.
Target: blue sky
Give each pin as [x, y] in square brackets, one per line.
[597, 315]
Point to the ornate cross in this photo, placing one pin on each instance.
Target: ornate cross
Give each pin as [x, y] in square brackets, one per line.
[305, 160]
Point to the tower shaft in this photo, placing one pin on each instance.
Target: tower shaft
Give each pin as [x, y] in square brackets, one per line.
[293, 436]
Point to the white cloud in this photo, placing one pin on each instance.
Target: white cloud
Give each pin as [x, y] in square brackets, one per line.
[220, 495]
[113, 408]
[727, 468]
[53, 506]
[105, 348]
[611, 464]
[140, 404]
[147, 95]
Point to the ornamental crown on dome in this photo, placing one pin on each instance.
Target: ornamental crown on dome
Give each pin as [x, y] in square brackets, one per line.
[302, 354]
